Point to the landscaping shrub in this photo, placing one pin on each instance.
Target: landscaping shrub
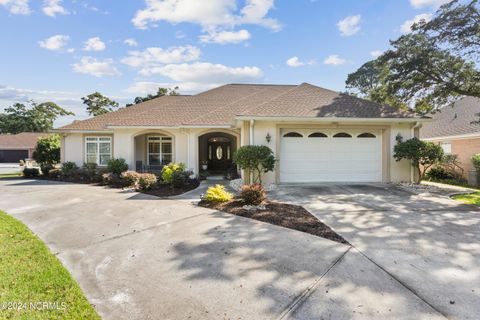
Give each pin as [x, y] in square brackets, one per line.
[439, 173]
[476, 162]
[168, 170]
[253, 194]
[47, 152]
[117, 166]
[55, 173]
[69, 169]
[113, 180]
[146, 181]
[217, 193]
[255, 159]
[181, 179]
[90, 170]
[131, 178]
[421, 154]
[31, 172]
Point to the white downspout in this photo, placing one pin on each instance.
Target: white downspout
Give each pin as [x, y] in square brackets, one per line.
[412, 170]
[252, 123]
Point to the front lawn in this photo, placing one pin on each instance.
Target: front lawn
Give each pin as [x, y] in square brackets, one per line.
[470, 198]
[33, 282]
[10, 175]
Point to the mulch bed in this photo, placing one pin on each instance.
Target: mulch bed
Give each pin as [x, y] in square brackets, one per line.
[280, 214]
[165, 190]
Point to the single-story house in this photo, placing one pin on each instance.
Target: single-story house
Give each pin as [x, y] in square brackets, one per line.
[316, 134]
[16, 147]
[456, 128]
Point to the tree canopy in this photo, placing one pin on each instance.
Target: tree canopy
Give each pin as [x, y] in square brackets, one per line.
[98, 104]
[433, 65]
[37, 117]
[160, 93]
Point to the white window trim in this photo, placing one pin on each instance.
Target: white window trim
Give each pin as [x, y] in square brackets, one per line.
[97, 141]
[445, 143]
[161, 141]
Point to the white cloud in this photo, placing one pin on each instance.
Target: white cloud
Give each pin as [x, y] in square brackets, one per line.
[56, 42]
[349, 25]
[180, 34]
[146, 87]
[427, 3]
[406, 27]
[211, 14]
[205, 72]
[16, 6]
[94, 67]
[295, 62]
[376, 53]
[334, 60]
[223, 37]
[131, 42]
[94, 44]
[53, 7]
[152, 57]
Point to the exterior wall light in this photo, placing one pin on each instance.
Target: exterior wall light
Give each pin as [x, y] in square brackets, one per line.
[268, 137]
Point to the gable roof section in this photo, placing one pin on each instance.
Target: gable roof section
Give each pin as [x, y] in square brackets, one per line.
[454, 120]
[220, 106]
[23, 140]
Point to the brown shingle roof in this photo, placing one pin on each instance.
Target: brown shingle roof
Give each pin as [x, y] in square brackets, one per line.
[453, 120]
[23, 140]
[220, 106]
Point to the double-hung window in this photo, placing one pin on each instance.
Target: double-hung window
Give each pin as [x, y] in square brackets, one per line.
[160, 150]
[98, 150]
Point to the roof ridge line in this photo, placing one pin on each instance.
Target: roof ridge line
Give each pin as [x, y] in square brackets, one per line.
[225, 106]
[281, 94]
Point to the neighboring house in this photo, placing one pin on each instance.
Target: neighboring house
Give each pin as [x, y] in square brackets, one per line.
[316, 134]
[16, 147]
[454, 127]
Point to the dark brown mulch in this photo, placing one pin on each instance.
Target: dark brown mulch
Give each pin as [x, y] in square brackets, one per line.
[166, 190]
[280, 214]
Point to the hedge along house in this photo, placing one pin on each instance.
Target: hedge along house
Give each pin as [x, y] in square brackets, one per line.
[317, 135]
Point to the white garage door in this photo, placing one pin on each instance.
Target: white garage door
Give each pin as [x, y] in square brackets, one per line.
[314, 155]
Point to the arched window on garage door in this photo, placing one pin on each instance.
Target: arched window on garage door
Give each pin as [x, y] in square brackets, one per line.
[342, 135]
[317, 135]
[366, 135]
[293, 134]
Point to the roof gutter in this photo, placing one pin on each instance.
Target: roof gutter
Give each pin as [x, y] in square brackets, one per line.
[332, 119]
[79, 131]
[169, 127]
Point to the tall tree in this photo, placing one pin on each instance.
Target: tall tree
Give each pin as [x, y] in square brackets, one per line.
[160, 93]
[98, 104]
[37, 117]
[429, 67]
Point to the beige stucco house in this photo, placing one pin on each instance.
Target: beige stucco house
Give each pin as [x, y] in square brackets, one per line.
[317, 135]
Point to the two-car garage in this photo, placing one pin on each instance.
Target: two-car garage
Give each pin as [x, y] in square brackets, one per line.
[330, 155]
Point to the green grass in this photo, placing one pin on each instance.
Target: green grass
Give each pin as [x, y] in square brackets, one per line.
[472, 198]
[30, 273]
[10, 175]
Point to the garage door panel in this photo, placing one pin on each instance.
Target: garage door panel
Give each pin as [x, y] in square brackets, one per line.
[330, 159]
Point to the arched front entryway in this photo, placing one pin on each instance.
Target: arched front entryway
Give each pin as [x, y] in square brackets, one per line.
[215, 152]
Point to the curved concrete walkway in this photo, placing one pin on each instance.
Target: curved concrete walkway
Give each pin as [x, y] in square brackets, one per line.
[138, 257]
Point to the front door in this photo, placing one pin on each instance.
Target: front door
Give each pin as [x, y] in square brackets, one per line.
[219, 154]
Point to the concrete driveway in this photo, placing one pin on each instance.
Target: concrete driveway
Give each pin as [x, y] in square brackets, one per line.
[431, 244]
[138, 257]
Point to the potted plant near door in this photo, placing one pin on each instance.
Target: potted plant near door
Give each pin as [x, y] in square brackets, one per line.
[204, 165]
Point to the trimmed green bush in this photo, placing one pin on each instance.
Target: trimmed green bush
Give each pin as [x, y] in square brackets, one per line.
[256, 159]
[69, 169]
[476, 162]
[55, 173]
[168, 170]
[217, 194]
[47, 152]
[253, 194]
[31, 172]
[181, 179]
[117, 166]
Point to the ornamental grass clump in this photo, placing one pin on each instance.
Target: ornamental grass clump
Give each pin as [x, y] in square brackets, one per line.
[253, 194]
